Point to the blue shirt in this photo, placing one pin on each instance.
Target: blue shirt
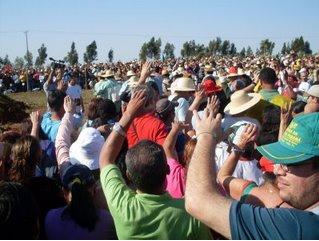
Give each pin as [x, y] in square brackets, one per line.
[50, 127]
[250, 222]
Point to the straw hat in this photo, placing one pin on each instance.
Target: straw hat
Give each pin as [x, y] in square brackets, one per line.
[107, 73]
[130, 73]
[184, 84]
[208, 68]
[241, 101]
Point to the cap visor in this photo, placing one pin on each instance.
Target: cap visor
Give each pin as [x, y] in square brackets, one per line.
[279, 154]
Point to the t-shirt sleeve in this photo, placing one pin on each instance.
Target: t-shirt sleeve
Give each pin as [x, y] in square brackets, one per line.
[161, 134]
[117, 194]
[250, 222]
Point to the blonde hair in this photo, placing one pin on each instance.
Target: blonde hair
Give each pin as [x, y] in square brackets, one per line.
[25, 154]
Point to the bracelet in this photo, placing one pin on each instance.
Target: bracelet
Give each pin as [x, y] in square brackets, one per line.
[237, 150]
[208, 133]
[119, 129]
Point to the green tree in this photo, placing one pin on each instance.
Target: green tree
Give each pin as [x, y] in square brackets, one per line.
[266, 47]
[151, 49]
[91, 53]
[249, 51]
[168, 52]
[72, 57]
[191, 49]
[284, 49]
[225, 47]
[143, 52]
[111, 55]
[29, 59]
[40, 60]
[6, 60]
[19, 63]
[214, 46]
[307, 49]
[233, 49]
[242, 53]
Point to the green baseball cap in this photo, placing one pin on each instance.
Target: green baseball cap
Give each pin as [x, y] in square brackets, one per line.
[299, 142]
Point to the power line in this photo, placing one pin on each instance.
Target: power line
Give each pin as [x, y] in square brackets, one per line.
[151, 35]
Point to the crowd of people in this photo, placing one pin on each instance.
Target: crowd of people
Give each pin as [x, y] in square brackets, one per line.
[200, 148]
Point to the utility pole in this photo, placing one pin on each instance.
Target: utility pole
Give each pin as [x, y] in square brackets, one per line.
[26, 41]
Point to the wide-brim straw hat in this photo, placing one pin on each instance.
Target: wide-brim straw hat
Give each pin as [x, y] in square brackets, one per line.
[184, 84]
[241, 101]
[106, 74]
[130, 73]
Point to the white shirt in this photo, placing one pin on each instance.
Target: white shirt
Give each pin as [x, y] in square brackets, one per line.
[247, 170]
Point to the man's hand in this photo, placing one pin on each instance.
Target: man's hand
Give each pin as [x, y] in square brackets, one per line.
[136, 104]
[209, 124]
[69, 105]
[285, 114]
[249, 134]
[177, 126]
[213, 104]
[35, 117]
[145, 72]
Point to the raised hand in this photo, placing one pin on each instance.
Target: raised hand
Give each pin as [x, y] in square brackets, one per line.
[209, 124]
[145, 72]
[285, 114]
[136, 104]
[69, 105]
[213, 104]
[35, 117]
[249, 134]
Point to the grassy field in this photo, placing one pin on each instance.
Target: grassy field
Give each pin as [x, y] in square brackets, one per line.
[37, 100]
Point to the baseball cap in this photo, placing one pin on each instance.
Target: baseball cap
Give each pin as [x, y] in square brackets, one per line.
[76, 173]
[313, 91]
[299, 142]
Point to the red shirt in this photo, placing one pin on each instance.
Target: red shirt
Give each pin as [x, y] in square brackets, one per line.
[146, 127]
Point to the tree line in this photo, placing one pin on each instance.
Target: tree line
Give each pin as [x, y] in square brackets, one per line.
[152, 50]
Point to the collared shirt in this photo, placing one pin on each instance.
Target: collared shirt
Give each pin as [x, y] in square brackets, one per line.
[108, 89]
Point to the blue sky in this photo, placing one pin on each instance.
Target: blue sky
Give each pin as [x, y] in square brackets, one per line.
[125, 24]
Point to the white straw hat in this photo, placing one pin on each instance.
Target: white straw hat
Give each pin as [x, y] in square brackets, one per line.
[241, 101]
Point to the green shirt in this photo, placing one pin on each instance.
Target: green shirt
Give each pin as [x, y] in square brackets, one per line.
[107, 89]
[274, 97]
[147, 216]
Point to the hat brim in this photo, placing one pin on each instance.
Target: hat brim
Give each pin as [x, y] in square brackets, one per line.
[214, 90]
[233, 75]
[231, 110]
[280, 154]
[183, 89]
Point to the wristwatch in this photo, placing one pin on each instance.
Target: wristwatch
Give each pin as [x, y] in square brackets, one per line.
[119, 129]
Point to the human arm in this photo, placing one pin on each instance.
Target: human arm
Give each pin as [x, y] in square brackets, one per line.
[114, 142]
[63, 138]
[170, 141]
[235, 186]
[36, 121]
[202, 199]
[285, 118]
[145, 72]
